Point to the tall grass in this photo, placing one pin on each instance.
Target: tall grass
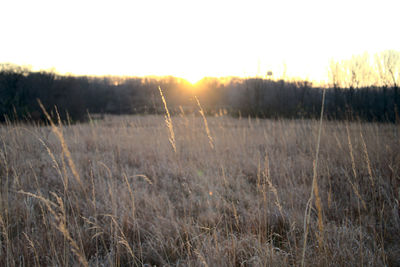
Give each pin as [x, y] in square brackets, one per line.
[121, 196]
[201, 111]
[315, 191]
[168, 122]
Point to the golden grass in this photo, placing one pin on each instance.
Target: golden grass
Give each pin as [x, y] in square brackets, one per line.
[201, 111]
[132, 201]
[315, 191]
[168, 122]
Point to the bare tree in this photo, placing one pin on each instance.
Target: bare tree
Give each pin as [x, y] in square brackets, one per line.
[388, 64]
[361, 71]
[334, 73]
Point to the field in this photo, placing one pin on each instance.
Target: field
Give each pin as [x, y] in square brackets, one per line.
[195, 191]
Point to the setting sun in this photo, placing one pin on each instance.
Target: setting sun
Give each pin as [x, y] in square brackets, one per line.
[192, 78]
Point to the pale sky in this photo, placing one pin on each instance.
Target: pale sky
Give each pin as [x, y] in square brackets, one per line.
[193, 39]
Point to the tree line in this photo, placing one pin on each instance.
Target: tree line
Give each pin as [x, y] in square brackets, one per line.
[358, 90]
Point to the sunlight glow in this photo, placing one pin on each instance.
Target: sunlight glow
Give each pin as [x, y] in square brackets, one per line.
[194, 39]
[191, 78]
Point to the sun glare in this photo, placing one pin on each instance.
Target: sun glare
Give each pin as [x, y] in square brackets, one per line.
[193, 78]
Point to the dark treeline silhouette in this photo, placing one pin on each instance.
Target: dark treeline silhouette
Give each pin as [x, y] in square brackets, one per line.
[76, 97]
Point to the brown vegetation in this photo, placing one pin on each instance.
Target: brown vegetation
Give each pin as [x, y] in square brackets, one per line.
[114, 192]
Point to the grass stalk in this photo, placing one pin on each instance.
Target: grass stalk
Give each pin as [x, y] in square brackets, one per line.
[168, 122]
[314, 190]
[58, 132]
[201, 111]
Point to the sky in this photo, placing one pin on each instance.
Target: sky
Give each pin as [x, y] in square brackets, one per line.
[194, 39]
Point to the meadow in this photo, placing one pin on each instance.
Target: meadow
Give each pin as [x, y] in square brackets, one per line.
[190, 190]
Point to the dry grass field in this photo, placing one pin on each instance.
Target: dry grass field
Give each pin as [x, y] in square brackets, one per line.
[137, 191]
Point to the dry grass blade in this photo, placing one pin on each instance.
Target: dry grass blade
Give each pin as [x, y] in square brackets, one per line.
[58, 132]
[5, 239]
[367, 159]
[353, 167]
[168, 122]
[201, 111]
[61, 224]
[318, 204]
[32, 245]
[314, 191]
[271, 186]
[147, 179]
